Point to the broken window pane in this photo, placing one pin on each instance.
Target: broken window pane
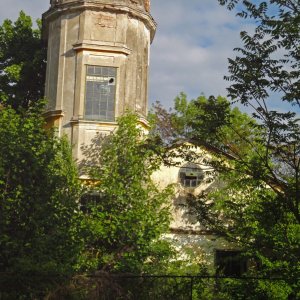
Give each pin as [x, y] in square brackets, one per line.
[100, 93]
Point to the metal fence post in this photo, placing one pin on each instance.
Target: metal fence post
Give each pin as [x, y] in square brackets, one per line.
[192, 286]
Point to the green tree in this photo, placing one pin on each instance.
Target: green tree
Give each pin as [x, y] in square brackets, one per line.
[252, 205]
[258, 208]
[209, 122]
[39, 219]
[126, 213]
[22, 62]
[265, 73]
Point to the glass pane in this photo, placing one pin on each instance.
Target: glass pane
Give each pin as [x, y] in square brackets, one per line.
[97, 71]
[110, 116]
[100, 93]
[90, 70]
[110, 106]
[103, 106]
[111, 73]
[88, 109]
[104, 71]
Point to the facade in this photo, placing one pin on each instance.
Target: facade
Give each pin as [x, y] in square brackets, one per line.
[188, 235]
[98, 59]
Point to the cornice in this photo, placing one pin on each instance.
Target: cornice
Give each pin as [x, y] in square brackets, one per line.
[92, 122]
[83, 5]
[182, 231]
[101, 47]
[53, 113]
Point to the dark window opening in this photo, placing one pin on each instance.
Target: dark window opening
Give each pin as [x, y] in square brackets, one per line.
[89, 201]
[190, 175]
[230, 263]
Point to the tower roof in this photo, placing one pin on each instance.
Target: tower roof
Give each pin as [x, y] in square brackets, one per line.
[139, 9]
[141, 4]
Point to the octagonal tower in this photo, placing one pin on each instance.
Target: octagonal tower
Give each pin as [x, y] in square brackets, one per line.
[97, 64]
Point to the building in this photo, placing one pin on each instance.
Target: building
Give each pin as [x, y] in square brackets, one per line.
[98, 59]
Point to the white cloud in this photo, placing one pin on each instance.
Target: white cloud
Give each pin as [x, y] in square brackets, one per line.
[190, 50]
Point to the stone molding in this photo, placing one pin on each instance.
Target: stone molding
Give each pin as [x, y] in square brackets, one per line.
[101, 47]
[53, 113]
[85, 121]
[82, 5]
[184, 231]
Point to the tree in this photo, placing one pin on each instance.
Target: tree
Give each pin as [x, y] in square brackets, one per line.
[22, 63]
[208, 122]
[39, 219]
[126, 213]
[258, 208]
[250, 208]
[267, 71]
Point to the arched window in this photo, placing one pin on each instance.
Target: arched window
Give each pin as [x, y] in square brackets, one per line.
[190, 175]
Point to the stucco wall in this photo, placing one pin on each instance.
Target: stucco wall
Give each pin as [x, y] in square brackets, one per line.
[101, 33]
[186, 232]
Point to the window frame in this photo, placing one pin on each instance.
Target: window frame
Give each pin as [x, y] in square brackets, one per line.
[198, 178]
[100, 117]
[232, 264]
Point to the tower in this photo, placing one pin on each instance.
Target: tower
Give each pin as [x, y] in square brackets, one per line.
[97, 64]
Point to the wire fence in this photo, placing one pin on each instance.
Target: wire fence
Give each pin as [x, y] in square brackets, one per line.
[180, 287]
[107, 286]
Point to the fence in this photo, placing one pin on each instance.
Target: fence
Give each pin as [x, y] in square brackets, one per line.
[106, 286]
[182, 287]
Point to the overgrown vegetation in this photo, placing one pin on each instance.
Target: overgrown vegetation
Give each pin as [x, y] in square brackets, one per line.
[39, 218]
[257, 156]
[129, 213]
[22, 63]
[52, 237]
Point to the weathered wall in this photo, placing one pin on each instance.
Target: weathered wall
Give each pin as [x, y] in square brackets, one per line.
[110, 33]
[186, 233]
[102, 33]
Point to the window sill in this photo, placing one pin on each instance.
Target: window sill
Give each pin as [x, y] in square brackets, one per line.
[86, 121]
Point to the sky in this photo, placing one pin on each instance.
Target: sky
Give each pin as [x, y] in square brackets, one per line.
[189, 53]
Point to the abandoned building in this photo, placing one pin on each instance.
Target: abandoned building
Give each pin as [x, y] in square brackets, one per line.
[98, 60]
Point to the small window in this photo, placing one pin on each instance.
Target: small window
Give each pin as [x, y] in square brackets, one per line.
[100, 93]
[89, 200]
[190, 175]
[230, 263]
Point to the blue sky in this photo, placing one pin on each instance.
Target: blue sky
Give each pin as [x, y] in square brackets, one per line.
[189, 54]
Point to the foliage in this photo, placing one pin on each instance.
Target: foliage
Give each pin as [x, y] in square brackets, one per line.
[124, 286]
[177, 123]
[258, 208]
[207, 122]
[22, 62]
[39, 190]
[266, 72]
[128, 213]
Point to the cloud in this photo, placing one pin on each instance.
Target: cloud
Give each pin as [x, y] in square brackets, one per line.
[191, 47]
[193, 41]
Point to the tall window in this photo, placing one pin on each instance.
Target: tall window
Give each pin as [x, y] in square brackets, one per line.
[100, 93]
